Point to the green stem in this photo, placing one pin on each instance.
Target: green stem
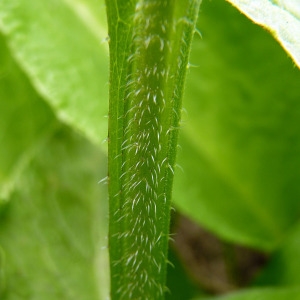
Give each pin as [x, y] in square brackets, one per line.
[149, 47]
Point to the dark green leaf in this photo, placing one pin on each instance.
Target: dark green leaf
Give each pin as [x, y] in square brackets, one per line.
[261, 294]
[241, 141]
[284, 265]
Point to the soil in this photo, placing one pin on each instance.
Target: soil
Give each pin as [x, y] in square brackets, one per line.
[215, 266]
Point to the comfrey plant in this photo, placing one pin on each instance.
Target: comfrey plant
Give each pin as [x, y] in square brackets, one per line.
[240, 147]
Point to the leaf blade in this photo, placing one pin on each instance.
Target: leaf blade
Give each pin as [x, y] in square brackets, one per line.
[243, 127]
[281, 18]
[54, 219]
[25, 122]
[261, 294]
[63, 57]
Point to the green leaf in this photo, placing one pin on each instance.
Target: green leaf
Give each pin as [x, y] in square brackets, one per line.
[52, 232]
[240, 141]
[59, 44]
[179, 283]
[25, 122]
[284, 264]
[281, 17]
[149, 47]
[261, 294]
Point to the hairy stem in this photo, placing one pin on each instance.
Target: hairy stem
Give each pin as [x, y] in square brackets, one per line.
[149, 47]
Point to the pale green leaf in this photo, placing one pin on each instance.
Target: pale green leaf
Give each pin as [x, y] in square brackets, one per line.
[281, 17]
[53, 231]
[61, 47]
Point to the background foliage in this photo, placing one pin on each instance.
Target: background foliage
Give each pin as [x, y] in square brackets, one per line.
[239, 147]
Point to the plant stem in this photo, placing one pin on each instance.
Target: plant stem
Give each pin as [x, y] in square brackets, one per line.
[146, 86]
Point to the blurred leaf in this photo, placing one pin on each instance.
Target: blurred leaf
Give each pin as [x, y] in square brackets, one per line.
[241, 142]
[284, 265]
[60, 46]
[260, 294]
[281, 17]
[25, 121]
[179, 283]
[52, 232]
